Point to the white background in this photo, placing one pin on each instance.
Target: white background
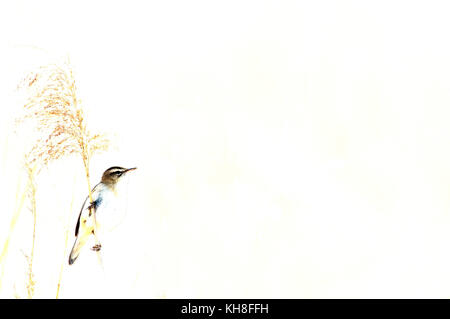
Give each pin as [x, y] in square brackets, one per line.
[284, 148]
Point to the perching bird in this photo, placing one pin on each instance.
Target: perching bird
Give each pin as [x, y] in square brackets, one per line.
[105, 211]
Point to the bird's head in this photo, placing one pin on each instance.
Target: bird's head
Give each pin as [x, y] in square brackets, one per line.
[114, 174]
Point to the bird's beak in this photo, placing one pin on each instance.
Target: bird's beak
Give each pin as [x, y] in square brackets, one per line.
[130, 169]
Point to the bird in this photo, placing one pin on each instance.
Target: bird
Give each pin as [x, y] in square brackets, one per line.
[104, 212]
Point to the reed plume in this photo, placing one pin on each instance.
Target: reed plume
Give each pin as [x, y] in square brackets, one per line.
[54, 106]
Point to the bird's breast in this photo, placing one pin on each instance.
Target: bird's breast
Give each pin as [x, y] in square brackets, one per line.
[111, 211]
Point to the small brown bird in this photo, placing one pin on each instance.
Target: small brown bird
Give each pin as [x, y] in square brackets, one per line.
[106, 210]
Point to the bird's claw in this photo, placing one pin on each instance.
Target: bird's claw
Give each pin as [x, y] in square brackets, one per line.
[96, 247]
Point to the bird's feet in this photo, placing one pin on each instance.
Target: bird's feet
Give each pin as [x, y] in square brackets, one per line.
[97, 247]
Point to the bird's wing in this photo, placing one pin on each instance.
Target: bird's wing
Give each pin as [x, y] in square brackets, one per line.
[94, 204]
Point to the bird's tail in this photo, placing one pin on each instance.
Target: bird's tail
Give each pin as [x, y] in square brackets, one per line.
[79, 243]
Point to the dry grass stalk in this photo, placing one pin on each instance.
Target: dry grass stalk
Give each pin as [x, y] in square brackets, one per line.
[20, 200]
[66, 238]
[53, 106]
[31, 193]
[30, 277]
